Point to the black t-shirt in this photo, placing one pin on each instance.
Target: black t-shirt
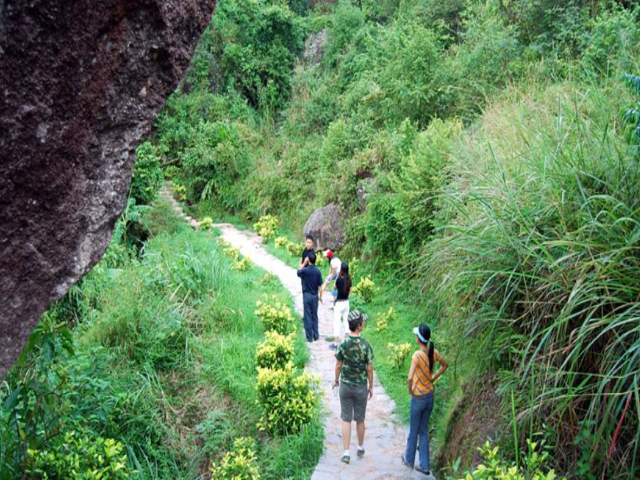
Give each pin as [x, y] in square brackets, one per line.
[311, 279]
[340, 284]
[306, 253]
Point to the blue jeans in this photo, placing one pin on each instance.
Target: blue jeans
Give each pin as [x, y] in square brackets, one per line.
[421, 406]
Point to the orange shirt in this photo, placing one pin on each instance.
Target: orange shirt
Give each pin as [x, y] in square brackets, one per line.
[421, 383]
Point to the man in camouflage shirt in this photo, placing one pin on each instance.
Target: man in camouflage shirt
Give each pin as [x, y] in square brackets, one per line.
[354, 370]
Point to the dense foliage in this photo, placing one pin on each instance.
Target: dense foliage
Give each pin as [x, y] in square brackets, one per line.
[485, 157]
[485, 152]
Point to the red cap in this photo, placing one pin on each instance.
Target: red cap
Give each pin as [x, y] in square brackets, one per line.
[329, 254]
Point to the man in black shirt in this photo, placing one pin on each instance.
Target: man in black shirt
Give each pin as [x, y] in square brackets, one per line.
[311, 288]
[308, 250]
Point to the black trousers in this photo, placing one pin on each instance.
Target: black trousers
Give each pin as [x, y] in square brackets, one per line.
[310, 319]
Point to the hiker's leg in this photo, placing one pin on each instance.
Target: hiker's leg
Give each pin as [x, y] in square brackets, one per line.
[361, 394]
[360, 429]
[314, 317]
[337, 322]
[306, 319]
[345, 318]
[414, 427]
[346, 413]
[346, 434]
[424, 432]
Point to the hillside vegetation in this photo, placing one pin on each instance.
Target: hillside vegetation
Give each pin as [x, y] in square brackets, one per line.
[486, 158]
[495, 144]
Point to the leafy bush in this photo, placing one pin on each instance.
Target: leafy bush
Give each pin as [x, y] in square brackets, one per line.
[281, 242]
[259, 43]
[266, 226]
[399, 354]
[293, 249]
[205, 224]
[242, 265]
[288, 401]
[80, 457]
[365, 289]
[276, 317]
[382, 322]
[275, 352]
[213, 163]
[232, 252]
[495, 468]
[147, 177]
[240, 463]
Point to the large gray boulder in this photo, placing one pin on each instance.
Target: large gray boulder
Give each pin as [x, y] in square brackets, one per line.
[326, 226]
[81, 83]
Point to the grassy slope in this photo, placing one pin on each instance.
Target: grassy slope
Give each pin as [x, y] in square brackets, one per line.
[165, 359]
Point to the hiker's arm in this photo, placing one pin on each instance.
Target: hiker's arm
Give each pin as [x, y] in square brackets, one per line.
[370, 375]
[338, 370]
[412, 371]
[443, 368]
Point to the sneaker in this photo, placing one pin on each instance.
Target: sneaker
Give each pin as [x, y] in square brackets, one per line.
[361, 452]
[405, 462]
[345, 458]
[333, 346]
[421, 470]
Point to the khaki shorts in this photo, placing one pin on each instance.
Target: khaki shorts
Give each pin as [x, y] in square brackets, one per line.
[353, 402]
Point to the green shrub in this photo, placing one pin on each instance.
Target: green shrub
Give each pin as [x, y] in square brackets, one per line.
[80, 457]
[294, 249]
[398, 354]
[281, 242]
[232, 252]
[382, 322]
[275, 352]
[213, 164]
[365, 289]
[258, 46]
[240, 463]
[288, 401]
[242, 265]
[205, 224]
[495, 468]
[276, 316]
[147, 177]
[266, 226]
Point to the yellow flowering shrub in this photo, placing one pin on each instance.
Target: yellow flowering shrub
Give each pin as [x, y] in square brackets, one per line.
[241, 265]
[266, 226]
[239, 464]
[232, 252]
[275, 352]
[180, 191]
[398, 354]
[288, 401]
[206, 223]
[382, 323]
[80, 456]
[495, 468]
[365, 289]
[276, 316]
[281, 242]
[294, 249]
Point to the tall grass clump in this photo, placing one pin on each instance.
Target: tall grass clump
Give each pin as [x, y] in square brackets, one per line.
[541, 246]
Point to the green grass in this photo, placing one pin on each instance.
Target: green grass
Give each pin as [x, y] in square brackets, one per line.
[165, 359]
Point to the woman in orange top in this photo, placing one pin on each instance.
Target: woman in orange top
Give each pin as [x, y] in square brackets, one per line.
[420, 383]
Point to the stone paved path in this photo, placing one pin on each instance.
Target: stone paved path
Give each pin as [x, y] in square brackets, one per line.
[385, 435]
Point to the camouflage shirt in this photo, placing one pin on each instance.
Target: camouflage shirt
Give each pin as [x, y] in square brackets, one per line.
[356, 354]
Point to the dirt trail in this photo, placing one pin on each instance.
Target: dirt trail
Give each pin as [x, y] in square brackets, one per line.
[385, 435]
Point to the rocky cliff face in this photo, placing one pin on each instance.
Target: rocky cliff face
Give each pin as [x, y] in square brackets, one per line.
[80, 84]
